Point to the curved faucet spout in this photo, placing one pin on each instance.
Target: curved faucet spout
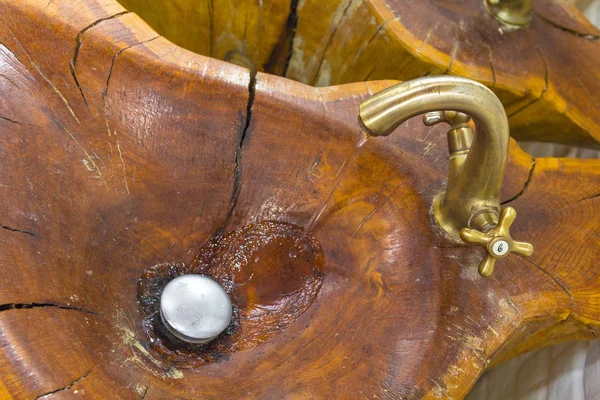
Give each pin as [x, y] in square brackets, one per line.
[476, 173]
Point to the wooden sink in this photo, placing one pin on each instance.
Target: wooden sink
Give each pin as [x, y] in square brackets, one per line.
[121, 151]
[545, 74]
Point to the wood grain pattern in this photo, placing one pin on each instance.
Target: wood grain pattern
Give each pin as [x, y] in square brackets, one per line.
[120, 151]
[546, 74]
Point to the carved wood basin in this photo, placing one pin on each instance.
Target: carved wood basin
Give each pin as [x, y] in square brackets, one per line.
[342, 41]
[140, 153]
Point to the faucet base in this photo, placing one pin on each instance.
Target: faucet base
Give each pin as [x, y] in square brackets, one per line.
[441, 217]
[483, 218]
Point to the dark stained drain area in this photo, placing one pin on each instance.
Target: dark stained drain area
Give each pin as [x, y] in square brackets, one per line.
[272, 271]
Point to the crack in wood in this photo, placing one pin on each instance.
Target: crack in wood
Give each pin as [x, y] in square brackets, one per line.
[455, 46]
[67, 387]
[74, 75]
[593, 196]
[492, 69]
[237, 170]
[511, 303]
[210, 7]
[544, 89]
[375, 209]
[114, 60]
[8, 228]
[8, 79]
[245, 41]
[525, 186]
[46, 79]
[28, 306]
[587, 36]
[79, 37]
[379, 30]
[78, 41]
[365, 45]
[110, 71]
[493, 74]
[331, 34]
[18, 122]
[369, 75]
[561, 285]
[284, 49]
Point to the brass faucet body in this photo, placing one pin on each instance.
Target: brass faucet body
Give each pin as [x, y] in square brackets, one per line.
[515, 13]
[476, 171]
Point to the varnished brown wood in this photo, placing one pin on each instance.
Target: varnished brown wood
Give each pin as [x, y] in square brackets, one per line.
[121, 151]
[545, 74]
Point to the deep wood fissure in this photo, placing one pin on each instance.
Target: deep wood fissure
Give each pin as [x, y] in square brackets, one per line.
[292, 23]
[237, 169]
[67, 387]
[525, 186]
[74, 75]
[587, 36]
[28, 306]
[8, 228]
[79, 36]
[285, 45]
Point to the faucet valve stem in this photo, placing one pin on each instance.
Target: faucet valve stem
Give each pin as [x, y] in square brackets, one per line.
[460, 136]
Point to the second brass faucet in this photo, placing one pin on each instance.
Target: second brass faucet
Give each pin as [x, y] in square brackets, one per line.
[477, 162]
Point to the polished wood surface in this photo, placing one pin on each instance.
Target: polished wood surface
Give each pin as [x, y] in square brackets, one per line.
[120, 151]
[546, 74]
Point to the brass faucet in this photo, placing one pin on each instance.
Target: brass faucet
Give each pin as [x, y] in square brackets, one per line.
[515, 13]
[471, 202]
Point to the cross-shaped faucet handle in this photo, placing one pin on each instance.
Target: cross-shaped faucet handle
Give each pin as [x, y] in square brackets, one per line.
[497, 241]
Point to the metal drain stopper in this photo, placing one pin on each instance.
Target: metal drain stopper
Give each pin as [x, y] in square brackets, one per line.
[195, 308]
